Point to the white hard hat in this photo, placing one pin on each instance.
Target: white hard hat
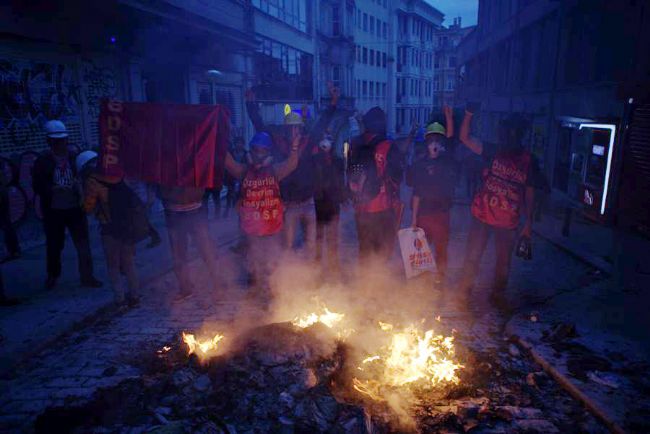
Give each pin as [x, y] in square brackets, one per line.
[83, 159]
[55, 129]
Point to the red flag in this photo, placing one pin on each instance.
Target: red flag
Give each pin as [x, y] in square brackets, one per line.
[178, 145]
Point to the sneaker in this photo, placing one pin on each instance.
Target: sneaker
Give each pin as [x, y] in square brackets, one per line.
[50, 282]
[154, 242]
[132, 300]
[499, 301]
[183, 296]
[10, 257]
[91, 282]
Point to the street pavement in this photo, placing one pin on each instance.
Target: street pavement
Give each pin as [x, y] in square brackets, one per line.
[107, 348]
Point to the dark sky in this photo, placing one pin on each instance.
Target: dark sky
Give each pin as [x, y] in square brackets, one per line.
[467, 9]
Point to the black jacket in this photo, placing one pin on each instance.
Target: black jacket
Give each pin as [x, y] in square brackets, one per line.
[329, 190]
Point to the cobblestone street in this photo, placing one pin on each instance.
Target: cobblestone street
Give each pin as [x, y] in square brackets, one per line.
[110, 348]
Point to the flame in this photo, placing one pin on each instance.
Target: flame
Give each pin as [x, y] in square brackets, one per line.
[410, 356]
[203, 346]
[326, 317]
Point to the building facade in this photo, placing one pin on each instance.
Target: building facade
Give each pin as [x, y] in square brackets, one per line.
[547, 60]
[445, 64]
[417, 23]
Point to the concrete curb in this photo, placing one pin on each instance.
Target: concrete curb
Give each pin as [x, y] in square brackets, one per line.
[566, 384]
[587, 258]
[88, 320]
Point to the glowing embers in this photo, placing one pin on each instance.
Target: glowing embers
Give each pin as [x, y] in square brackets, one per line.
[410, 357]
[323, 315]
[202, 348]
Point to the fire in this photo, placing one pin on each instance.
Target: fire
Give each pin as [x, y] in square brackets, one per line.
[203, 346]
[326, 317]
[410, 357]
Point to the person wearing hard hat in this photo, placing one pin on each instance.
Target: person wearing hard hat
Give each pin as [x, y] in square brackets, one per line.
[297, 189]
[123, 222]
[261, 209]
[54, 181]
[434, 179]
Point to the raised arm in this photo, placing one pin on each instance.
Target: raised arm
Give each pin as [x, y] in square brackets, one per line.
[326, 117]
[237, 170]
[284, 169]
[253, 111]
[449, 120]
[474, 144]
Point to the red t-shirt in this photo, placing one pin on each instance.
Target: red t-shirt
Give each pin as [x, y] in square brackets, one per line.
[498, 203]
[261, 209]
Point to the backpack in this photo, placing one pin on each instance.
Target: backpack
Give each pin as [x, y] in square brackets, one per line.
[363, 180]
[128, 216]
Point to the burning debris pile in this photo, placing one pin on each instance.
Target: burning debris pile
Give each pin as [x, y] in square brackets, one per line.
[300, 376]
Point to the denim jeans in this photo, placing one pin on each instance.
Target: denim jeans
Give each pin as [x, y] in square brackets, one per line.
[56, 221]
[181, 226]
[300, 215]
[327, 237]
[119, 259]
[504, 240]
[262, 258]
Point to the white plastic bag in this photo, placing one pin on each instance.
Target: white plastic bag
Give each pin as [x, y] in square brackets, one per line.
[416, 253]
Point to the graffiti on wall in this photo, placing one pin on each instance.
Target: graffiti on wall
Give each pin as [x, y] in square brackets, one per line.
[31, 93]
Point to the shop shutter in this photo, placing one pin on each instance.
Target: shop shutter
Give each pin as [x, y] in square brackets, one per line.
[635, 181]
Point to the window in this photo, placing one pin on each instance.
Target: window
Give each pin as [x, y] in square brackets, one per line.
[365, 22]
[372, 89]
[292, 12]
[450, 83]
[289, 70]
[365, 88]
[358, 88]
[336, 21]
[372, 57]
[358, 53]
[372, 24]
[378, 28]
[436, 63]
[365, 55]
[452, 62]
[383, 60]
[336, 76]
[383, 89]
[385, 30]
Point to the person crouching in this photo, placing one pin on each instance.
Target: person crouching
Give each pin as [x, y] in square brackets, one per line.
[260, 206]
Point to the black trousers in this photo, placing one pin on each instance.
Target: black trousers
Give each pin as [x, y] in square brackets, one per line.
[55, 222]
[11, 238]
[376, 233]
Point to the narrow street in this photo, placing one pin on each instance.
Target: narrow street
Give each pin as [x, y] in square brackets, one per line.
[115, 346]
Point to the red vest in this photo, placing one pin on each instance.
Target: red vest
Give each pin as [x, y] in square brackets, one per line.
[384, 200]
[498, 202]
[260, 209]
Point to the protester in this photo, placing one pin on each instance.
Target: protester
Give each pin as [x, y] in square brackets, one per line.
[185, 219]
[123, 223]
[261, 206]
[238, 152]
[328, 195]
[10, 236]
[375, 176]
[54, 181]
[297, 189]
[434, 179]
[508, 186]
[147, 194]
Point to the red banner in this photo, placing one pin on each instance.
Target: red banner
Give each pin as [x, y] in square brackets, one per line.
[168, 144]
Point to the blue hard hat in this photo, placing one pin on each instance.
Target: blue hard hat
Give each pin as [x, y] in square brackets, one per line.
[261, 140]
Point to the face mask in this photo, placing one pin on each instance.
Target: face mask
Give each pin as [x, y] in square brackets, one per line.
[325, 145]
